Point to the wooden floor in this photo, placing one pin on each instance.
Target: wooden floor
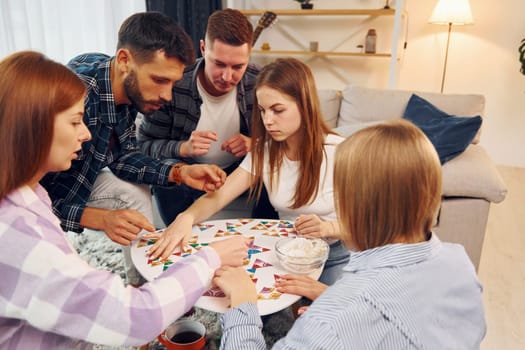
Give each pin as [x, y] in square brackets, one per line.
[502, 267]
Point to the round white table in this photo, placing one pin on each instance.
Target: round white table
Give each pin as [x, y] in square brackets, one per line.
[261, 264]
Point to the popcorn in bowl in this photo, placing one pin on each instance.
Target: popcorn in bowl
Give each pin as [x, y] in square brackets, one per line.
[301, 255]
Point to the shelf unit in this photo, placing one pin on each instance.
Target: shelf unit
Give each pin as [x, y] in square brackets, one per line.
[320, 53]
[397, 13]
[321, 12]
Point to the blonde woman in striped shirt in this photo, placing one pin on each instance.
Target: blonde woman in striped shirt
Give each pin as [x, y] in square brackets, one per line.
[403, 288]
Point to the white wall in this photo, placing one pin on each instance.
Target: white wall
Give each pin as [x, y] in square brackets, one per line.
[62, 29]
[483, 58]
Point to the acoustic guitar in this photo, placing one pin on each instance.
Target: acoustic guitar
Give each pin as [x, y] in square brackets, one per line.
[267, 19]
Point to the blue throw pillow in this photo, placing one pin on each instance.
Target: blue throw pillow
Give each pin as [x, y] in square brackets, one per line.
[449, 134]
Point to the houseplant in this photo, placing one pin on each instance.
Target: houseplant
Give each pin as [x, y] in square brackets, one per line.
[306, 4]
[522, 56]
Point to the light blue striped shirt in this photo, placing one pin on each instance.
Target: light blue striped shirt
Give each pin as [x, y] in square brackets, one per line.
[399, 296]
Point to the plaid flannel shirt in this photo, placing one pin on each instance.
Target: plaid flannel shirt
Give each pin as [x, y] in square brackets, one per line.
[113, 144]
[161, 133]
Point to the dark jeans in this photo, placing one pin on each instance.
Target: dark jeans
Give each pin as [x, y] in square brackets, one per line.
[338, 257]
[172, 200]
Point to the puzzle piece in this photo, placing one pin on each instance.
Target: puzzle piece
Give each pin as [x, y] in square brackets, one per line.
[272, 233]
[258, 263]
[214, 292]
[245, 221]
[285, 224]
[259, 227]
[146, 242]
[204, 227]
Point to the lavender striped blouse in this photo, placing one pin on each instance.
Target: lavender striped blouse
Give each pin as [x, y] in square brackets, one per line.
[52, 299]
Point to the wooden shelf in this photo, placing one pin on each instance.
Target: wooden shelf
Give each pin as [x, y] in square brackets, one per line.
[319, 53]
[321, 12]
[364, 16]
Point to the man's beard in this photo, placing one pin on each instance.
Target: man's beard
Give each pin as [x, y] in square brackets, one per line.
[131, 87]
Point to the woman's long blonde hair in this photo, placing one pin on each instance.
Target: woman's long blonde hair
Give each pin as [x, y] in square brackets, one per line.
[294, 79]
[387, 184]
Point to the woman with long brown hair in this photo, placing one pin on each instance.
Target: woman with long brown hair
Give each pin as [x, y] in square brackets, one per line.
[292, 157]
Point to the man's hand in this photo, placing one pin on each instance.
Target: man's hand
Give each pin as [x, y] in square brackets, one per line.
[208, 178]
[237, 145]
[300, 285]
[236, 284]
[198, 144]
[123, 226]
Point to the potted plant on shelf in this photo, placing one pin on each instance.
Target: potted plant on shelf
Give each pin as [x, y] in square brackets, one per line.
[306, 4]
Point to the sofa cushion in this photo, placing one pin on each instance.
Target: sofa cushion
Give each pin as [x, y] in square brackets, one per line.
[473, 174]
[361, 107]
[349, 129]
[330, 100]
[449, 134]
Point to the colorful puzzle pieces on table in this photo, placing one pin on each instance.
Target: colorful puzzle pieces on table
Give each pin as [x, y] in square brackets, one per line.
[262, 234]
[145, 242]
[231, 232]
[282, 232]
[271, 292]
[255, 249]
[158, 261]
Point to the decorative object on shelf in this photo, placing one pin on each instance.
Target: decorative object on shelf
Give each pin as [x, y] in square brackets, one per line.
[522, 56]
[314, 45]
[451, 12]
[387, 5]
[267, 19]
[370, 41]
[306, 4]
[265, 46]
[396, 16]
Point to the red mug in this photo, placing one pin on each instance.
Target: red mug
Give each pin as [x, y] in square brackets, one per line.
[184, 335]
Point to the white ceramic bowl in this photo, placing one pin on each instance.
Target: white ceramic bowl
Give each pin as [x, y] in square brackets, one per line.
[301, 255]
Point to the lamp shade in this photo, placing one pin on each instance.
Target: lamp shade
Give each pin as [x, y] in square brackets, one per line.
[452, 12]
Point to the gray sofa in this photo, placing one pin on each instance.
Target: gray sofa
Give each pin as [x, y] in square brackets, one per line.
[470, 181]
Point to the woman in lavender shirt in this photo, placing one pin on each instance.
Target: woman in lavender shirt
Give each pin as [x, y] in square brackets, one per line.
[49, 297]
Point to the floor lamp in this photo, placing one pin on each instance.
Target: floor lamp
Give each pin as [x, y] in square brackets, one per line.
[451, 12]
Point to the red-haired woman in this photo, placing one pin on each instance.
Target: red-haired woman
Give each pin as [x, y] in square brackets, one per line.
[49, 297]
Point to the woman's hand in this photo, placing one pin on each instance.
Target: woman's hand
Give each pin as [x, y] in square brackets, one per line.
[177, 234]
[300, 285]
[236, 285]
[311, 226]
[232, 251]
